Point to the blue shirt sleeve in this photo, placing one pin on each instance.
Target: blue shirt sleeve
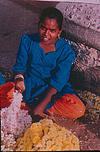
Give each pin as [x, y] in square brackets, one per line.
[22, 55]
[62, 71]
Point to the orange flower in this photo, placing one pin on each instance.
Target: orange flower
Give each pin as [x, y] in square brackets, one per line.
[6, 94]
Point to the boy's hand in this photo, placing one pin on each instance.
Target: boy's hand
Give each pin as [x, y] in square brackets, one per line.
[19, 85]
[39, 110]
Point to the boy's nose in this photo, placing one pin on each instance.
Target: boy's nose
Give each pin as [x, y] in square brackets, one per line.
[47, 32]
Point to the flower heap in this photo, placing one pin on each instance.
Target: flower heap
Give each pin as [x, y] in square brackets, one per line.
[92, 103]
[46, 135]
[14, 121]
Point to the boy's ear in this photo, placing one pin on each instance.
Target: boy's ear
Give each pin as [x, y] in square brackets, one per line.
[60, 33]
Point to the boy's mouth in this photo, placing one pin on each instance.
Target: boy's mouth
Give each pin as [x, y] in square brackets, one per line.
[45, 39]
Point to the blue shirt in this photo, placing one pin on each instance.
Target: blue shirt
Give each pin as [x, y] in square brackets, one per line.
[2, 79]
[41, 69]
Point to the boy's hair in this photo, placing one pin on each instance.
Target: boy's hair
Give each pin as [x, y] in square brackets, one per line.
[52, 13]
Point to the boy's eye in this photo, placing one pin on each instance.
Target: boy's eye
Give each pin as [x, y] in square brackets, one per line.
[52, 30]
[43, 27]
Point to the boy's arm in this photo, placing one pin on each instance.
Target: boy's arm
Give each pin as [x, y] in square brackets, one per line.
[40, 108]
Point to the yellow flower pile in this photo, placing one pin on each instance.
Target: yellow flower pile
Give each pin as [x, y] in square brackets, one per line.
[46, 135]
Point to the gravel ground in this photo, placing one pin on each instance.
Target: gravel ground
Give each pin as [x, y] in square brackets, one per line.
[13, 15]
[87, 132]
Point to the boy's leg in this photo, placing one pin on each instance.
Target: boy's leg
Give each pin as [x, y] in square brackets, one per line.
[68, 106]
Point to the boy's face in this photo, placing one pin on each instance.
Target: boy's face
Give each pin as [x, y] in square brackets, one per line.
[49, 31]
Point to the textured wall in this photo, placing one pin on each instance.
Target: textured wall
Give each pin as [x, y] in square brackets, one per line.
[87, 15]
[82, 22]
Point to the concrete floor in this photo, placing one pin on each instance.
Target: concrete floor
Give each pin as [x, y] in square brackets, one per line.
[14, 21]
